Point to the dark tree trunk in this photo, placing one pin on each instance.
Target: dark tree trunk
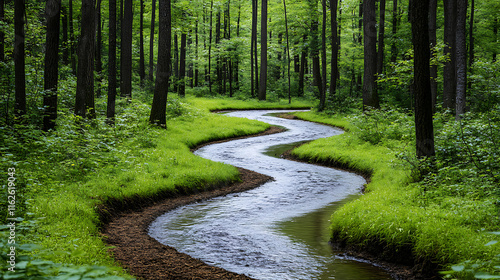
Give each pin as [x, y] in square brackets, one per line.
[422, 87]
[110, 112]
[433, 42]
[159, 106]
[253, 52]
[449, 75]
[288, 55]
[209, 76]
[370, 95]
[98, 60]
[495, 38]
[126, 50]
[315, 62]
[237, 61]
[72, 38]
[65, 43]
[218, 62]
[152, 41]
[181, 88]
[196, 65]
[52, 13]
[395, 22]
[2, 34]
[142, 67]
[263, 52]
[20, 80]
[303, 66]
[381, 37]
[335, 47]
[84, 104]
[461, 57]
[471, 41]
[323, 60]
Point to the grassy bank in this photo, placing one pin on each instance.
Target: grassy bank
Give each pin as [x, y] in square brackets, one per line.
[63, 177]
[408, 214]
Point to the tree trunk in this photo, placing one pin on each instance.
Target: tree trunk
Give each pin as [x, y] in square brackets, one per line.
[395, 22]
[253, 51]
[181, 89]
[110, 112]
[72, 38]
[2, 34]
[196, 64]
[126, 50]
[152, 41]
[449, 75]
[142, 67]
[20, 80]
[495, 38]
[323, 60]
[288, 55]
[461, 57]
[263, 52]
[85, 73]
[98, 60]
[176, 63]
[65, 44]
[433, 42]
[209, 76]
[159, 106]
[303, 66]
[335, 47]
[471, 41]
[52, 13]
[381, 37]
[370, 95]
[423, 100]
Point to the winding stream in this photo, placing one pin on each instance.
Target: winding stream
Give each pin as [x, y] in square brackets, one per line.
[278, 230]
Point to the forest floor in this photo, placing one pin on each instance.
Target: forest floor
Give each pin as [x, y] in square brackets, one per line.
[146, 258]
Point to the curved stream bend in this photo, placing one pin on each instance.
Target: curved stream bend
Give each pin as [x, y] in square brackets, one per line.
[249, 232]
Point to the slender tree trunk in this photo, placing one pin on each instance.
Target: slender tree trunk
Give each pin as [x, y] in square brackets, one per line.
[110, 112]
[126, 50]
[381, 37]
[219, 62]
[254, 60]
[395, 22]
[72, 44]
[288, 55]
[158, 108]
[196, 64]
[152, 41]
[20, 81]
[263, 52]
[52, 13]
[495, 38]
[176, 63]
[471, 41]
[433, 42]
[461, 57]
[98, 49]
[370, 95]
[65, 44]
[2, 34]
[84, 104]
[182, 66]
[315, 63]
[335, 47]
[449, 75]
[303, 66]
[142, 66]
[323, 60]
[422, 87]
[209, 76]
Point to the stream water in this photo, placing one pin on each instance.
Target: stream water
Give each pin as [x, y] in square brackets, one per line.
[278, 230]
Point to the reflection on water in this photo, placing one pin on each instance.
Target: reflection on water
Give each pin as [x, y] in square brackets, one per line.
[276, 231]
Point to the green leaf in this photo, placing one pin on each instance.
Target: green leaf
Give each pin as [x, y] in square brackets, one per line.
[491, 243]
[458, 267]
[484, 275]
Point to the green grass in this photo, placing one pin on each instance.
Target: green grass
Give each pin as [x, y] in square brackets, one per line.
[214, 104]
[395, 213]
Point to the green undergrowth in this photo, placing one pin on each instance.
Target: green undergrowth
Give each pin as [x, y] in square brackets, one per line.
[442, 215]
[62, 177]
[216, 104]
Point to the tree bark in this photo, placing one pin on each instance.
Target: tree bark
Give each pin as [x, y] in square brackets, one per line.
[423, 100]
[126, 50]
[461, 56]
[20, 80]
[253, 52]
[2, 34]
[65, 42]
[110, 110]
[181, 89]
[303, 66]
[84, 103]
[263, 52]
[142, 67]
[370, 95]
[381, 38]
[52, 13]
[433, 42]
[471, 41]
[335, 47]
[323, 55]
[98, 60]
[71, 38]
[151, 41]
[159, 106]
[209, 76]
[395, 22]
[288, 54]
[449, 75]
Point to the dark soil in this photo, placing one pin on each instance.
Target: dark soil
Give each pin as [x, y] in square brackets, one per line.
[125, 227]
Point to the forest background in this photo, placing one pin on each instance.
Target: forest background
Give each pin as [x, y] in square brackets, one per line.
[81, 79]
